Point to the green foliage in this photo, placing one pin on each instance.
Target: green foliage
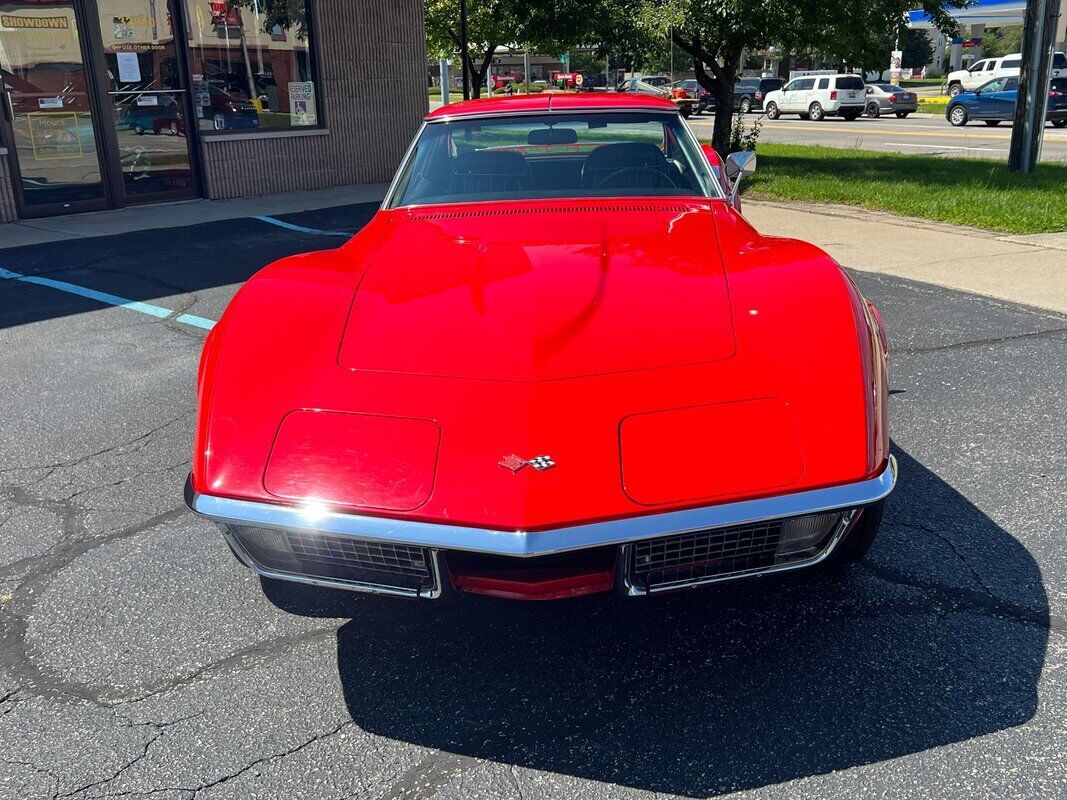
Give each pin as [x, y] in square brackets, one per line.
[715, 33]
[962, 191]
[917, 50]
[742, 138]
[1001, 41]
[549, 27]
[289, 14]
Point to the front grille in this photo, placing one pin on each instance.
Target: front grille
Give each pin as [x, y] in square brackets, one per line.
[694, 557]
[340, 558]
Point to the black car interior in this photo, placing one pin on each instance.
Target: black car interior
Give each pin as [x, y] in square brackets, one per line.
[552, 163]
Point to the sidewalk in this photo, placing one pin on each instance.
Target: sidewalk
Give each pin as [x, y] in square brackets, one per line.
[175, 215]
[1021, 269]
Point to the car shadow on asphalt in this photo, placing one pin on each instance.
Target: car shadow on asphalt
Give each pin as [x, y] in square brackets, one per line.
[734, 687]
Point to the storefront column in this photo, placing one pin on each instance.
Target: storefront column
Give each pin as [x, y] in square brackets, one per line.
[7, 191]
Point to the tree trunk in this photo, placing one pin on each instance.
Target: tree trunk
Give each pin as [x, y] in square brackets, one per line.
[720, 82]
[477, 75]
[724, 122]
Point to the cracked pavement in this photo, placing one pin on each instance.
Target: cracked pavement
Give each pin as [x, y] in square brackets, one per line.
[139, 660]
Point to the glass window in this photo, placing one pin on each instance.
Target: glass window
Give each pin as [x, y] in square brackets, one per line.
[1010, 63]
[1059, 61]
[1010, 85]
[792, 86]
[994, 85]
[978, 67]
[824, 83]
[806, 83]
[853, 82]
[54, 138]
[594, 154]
[251, 64]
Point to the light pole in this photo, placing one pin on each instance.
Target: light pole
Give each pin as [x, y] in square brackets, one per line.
[670, 40]
[463, 49]
[443, 67]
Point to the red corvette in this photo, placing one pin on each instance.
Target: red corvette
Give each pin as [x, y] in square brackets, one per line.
[557, 361]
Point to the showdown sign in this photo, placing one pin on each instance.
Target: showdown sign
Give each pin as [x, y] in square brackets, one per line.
[12, 22]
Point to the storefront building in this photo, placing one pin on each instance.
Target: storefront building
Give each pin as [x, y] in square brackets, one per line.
[112, 103]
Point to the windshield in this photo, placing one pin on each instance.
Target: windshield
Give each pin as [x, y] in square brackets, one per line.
[526, 156]
[850, 82]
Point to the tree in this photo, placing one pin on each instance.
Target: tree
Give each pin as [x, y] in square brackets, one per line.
[547, 26]
[1002, 41]
[916, 49]
[715, 33]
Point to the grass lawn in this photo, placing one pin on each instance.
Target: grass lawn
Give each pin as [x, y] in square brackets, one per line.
[933, 105]
[963, 191]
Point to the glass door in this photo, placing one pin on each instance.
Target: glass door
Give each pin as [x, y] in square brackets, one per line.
[48, 123]
[146, 100]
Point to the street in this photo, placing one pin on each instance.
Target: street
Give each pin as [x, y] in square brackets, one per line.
[918, 133]
[139, 659]
[914, 134]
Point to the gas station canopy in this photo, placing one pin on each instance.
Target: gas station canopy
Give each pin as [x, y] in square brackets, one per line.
[980, 12]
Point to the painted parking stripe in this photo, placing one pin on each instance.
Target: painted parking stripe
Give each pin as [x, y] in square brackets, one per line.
[300, 228]
[159, 312]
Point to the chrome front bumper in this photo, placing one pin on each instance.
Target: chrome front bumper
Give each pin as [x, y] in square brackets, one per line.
[525, 544]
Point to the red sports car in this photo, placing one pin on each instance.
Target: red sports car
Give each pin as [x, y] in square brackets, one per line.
[557, 361]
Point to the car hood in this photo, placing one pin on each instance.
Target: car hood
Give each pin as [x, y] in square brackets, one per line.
[402, 373]
[533, 292]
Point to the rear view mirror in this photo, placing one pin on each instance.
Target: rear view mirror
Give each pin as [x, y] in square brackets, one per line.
[549, 136]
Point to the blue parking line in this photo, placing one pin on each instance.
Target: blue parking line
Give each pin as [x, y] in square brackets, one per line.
[159, 312]
[300, 228]
[195, 321]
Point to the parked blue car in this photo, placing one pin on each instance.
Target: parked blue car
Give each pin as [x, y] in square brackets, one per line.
[994, 101]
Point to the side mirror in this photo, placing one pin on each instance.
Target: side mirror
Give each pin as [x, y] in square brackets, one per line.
[738, 166]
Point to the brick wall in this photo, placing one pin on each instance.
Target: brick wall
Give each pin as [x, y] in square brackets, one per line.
[372, 74]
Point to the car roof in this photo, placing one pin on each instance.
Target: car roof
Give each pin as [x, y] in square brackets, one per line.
[549, 101]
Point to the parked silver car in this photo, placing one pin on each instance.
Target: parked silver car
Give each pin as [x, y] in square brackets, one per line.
[884, 98]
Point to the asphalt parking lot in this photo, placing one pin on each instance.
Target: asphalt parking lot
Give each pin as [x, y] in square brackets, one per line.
[138, 659]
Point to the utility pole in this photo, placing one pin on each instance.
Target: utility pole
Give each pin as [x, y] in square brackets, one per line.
[443, 67]
[1032, 101]
[670, 40]
[463, 50]
[526, 66]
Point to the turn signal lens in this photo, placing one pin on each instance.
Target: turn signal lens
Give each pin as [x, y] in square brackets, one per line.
[805, 536]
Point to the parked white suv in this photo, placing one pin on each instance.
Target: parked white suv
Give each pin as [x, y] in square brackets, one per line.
[817, 96]
[967, 80]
